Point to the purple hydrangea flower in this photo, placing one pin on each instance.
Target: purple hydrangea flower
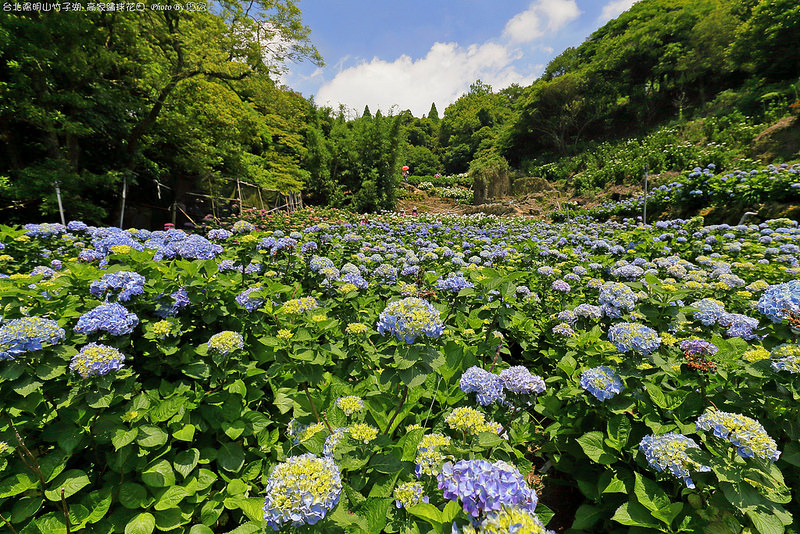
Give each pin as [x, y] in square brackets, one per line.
[113, 318]
[484, 487]
[601, 382]
[521, 381]
[487, 386]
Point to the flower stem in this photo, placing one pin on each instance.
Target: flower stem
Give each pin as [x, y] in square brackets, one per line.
[314, 408]
[399, 407]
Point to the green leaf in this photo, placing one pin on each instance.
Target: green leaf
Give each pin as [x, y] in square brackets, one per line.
[230, 457]
[233, 430]
[151, 436]
[427, 512]
[198, 370]
[71, 481]
[410, 442]
[132, 495]
[25, 508]
[98, 502]
[252, 507]
[386, 464]
[593, 446]
[170, 519]
[413, 376]
[167, 408]
[18, 483]
[634, 515]
[123, 437]
[668, 513]
[159, 475]
[143, 523]
[171, 498]
[186, 461]
[619, 429]
[766, 523]
[186, 433]
[587, 516]
[200, 529]
[649, 494]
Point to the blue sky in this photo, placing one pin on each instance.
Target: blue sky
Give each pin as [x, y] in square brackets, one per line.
[405, 55]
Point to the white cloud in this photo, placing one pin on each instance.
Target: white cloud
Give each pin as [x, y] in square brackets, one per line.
[550, 15]
[614, 8]
[441, 77]
[448, 69]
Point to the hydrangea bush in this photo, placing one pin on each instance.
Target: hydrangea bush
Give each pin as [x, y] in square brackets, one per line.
[473, 374]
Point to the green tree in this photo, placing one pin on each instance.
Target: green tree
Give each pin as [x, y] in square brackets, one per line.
[767, 42]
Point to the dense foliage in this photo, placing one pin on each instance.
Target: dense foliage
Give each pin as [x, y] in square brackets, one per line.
[400, 376]
[143, 101]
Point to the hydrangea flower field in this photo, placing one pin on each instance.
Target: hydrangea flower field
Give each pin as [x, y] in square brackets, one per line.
[409, 375]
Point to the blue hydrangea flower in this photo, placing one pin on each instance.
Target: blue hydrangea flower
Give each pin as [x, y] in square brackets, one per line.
[561, 286]
[385, 272]
[588, 311]
[247, 302]
[484, 487]
[180, 300]
[95, 360]
[488, 386]
[77, 226]
[521, 381]
[28, 334]
[453, 283]
[709, 311]
[410, 318]
[113, 318]
[117, 238]
[301, 491]
[746, 434]
[780, 301]
[355, 279]
[564, 329]
[127, 283]
[616, 298]
[634, 337]
[218, 234]
[786, 357]
[601, 382]
[668, 451]
[739, 325]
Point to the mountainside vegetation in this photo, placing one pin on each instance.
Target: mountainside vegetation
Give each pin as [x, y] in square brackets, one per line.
[145, 103]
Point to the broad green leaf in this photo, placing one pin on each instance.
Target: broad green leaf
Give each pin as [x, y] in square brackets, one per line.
[649, 494]
[587, 516]
[25, 508]
[594, 447]
[766, 523]
[71, 481]
[186, 433]
[633, 514]
[123, 437]
[159, 475]
[186, 461]
[143, 523]
[230, 457]
[132, 495]
[18, 483]
[170, 498]
[151, 436]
